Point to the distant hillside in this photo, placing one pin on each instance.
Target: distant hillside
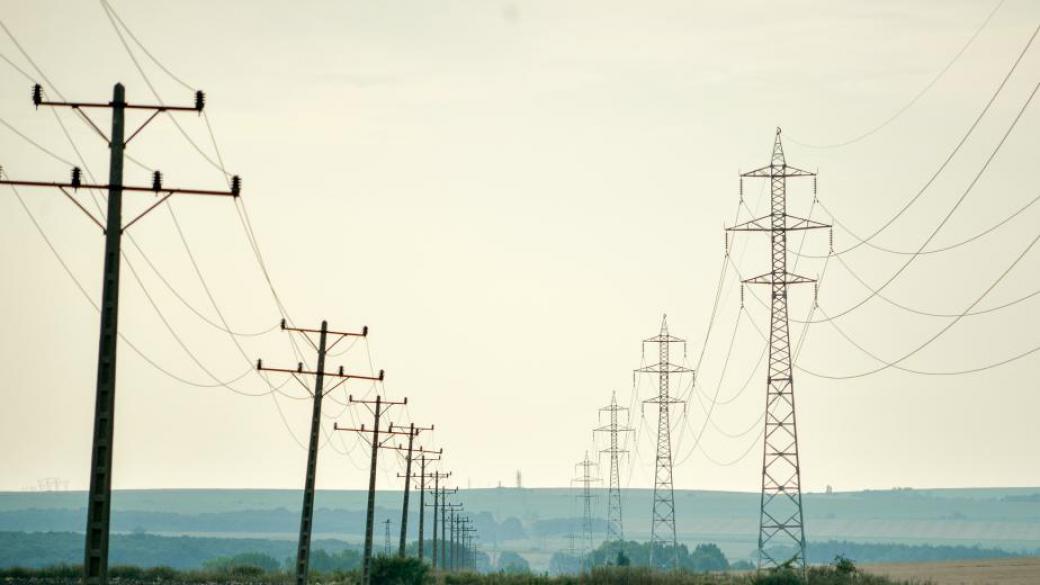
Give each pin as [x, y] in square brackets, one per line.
[538, 521]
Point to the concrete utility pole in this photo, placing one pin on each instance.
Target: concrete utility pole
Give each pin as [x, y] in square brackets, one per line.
[413, 431]
[449, 563]
[444, 525]
[423, 483]
[462, 558]
[438, 497]
[469, 551]
[376, 443]
[307, 512]
[100, 496]
[781, 523]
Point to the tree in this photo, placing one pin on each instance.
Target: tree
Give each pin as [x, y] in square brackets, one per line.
[512, 563]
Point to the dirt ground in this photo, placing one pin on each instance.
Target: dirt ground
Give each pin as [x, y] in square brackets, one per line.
[1018, 571]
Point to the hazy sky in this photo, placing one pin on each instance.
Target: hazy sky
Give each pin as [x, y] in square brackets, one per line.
[510, 194]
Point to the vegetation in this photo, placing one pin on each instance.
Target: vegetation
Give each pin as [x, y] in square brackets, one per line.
[394, 571]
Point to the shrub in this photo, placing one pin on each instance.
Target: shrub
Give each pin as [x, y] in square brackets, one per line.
[399, 571]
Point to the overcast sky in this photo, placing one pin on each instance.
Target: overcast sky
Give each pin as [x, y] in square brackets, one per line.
[510, 195]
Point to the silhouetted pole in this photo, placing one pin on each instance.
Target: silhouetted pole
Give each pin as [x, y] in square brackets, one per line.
[307, 511]
[413, 431]
[370, 514]
[437, 476]
[99, 500]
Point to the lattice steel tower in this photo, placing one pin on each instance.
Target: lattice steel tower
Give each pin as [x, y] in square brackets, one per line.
[662, 523]
[781, 520]
[586, 479]
[615, 524]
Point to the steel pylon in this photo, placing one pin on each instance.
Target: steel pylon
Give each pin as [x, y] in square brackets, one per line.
[662, 524]
[615, 522]
[781, 521]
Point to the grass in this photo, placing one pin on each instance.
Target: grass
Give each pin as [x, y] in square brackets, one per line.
[63, 574]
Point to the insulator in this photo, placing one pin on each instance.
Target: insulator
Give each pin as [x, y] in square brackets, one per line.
[236, 185]
[741, 296]
[259, 363]
[814, 186]
[726, 234]
[157, 181]
[37, 95]
[76, 178]
[816, 294]
[200, 100]
[741, 188]
[341, 370]
[830, 238]
[299, 367]
[283, 324]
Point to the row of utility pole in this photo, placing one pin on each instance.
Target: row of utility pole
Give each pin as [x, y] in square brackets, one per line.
[323, 340]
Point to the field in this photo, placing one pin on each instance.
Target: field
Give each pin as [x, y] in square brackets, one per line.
[1018, 571]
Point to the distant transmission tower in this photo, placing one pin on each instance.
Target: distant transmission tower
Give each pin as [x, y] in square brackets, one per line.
[615, 525]
[781, 520]
[586, 479]
[662, 524]
[386, 542]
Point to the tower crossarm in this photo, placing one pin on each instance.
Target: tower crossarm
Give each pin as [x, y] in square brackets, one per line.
[765, 224]
[789, 278]
[666, 368]
[782, 170]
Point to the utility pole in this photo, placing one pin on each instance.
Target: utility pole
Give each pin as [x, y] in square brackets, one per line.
[413, 431]
[444, 524]
[423, 478]
[376, 443]
[662, 524]
[780, 518]
[307, 513]
[465, 555]
[99, 500]
[436, 476]
[586, 480]
[386, 541]
[615, 524]
[449, 561]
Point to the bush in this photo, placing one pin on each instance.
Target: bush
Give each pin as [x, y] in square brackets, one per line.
[399, 571]
[844, 565]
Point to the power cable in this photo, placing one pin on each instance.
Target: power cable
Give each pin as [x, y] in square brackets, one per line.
[953, 209]
[917, 97]
[860, 241]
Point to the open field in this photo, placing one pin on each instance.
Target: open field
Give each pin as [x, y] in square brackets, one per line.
[1016, 571]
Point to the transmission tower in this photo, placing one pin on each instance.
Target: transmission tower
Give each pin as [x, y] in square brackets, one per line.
[318, 394]
[99, 500]
[386, 540]
[781, 520]
[662, 523]
[586, 479]
[615, 525]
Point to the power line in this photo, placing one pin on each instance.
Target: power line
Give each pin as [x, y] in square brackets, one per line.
[860, 241]
[917, 97]
[953, 209]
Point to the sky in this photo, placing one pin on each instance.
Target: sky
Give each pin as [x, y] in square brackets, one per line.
[510, 195]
